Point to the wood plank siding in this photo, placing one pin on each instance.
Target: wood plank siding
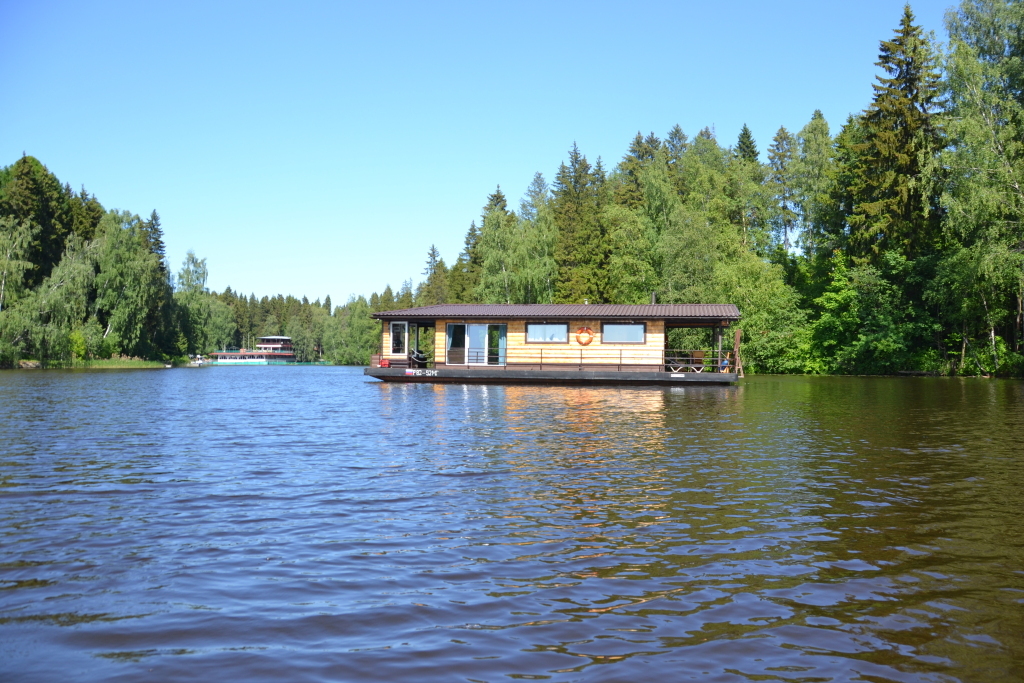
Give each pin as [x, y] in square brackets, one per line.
[533, 355]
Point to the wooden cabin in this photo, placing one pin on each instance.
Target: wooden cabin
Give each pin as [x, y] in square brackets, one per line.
[529, 342]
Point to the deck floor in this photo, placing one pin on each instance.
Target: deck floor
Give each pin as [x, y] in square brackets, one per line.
[500, 375]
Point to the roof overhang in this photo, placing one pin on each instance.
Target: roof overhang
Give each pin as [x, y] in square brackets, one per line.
[673, 315]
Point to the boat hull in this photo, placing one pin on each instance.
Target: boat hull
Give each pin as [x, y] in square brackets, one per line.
[498, 375]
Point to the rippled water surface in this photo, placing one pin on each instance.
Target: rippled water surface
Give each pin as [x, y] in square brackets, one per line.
[306, 524]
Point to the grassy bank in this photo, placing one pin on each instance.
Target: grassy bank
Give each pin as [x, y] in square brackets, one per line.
[111, 363]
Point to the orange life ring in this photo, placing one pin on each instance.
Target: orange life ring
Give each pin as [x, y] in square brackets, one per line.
[584, 336]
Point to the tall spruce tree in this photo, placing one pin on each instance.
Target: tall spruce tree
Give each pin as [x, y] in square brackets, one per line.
[896, 205]
[34, 194]
[746, 148]
[534, 200]
[676, 143]
[433, 290]
[155, 237]
[464, 275]
[580, 250]
[641, 153]
[780, 159]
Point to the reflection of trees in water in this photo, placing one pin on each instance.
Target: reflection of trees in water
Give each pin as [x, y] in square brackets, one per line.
[915, 485]
[830, 514]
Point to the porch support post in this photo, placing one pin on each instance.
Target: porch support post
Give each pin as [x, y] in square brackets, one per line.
[718, 341]
[736, 352]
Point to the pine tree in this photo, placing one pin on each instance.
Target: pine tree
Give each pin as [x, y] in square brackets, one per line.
[464, 275]
[676, 145]
[536, 197]
[34, 194]
[580, 250]
[641, 153]
[746, 148]
[495, 249]
[495, 202]
[895, 207]
[405, 296]
[433, 290]
[386, 300]
[86, 213]
[780, 160]
[155, 237]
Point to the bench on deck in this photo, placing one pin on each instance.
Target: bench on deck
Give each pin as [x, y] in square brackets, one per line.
[688, 361]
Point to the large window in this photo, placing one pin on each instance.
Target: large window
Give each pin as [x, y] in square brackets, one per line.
[544, 332]
[398, 331]
[476, 344]
[623, 333]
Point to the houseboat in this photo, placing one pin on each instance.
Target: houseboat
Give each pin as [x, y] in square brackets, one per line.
[555, 343]
[272, 350]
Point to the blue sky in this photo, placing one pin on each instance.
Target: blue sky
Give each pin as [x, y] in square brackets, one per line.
[318, 148]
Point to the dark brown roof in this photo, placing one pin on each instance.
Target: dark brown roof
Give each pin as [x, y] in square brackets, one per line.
[695, 312]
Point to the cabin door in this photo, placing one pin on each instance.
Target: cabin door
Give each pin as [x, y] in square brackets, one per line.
[470, 344]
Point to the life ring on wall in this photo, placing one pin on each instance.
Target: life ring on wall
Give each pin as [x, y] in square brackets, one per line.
[584, 336]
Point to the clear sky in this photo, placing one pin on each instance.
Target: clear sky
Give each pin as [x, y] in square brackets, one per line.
[315, 148]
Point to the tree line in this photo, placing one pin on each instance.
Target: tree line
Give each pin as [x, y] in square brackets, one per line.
[79, 282]
[895, 244]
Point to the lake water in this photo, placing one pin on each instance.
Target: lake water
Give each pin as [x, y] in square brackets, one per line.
[308, 524]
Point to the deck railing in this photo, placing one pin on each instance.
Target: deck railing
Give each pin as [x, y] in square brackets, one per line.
[622, 360]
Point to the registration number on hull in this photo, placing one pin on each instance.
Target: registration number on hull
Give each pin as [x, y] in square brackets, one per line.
[421, 373]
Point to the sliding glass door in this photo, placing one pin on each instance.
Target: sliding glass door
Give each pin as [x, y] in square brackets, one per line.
[474, 344]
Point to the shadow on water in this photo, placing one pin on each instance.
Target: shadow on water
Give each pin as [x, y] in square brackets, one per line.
[304, 524]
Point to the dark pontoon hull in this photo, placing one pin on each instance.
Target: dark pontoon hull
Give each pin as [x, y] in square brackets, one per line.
[498, 375]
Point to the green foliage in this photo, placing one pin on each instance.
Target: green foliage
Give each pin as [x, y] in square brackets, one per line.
[781, 158]
[632, 272]
[497, 250]
[746, 147]
[813, 173]
[129, 282]
[642, 151]
[516, 252]
[580, 252]
[352, 335]
[867, 324]
[464, 275]
[193, 304]
[221, 327]
[433, 290]
[76, 344]
[15, 239]
[895, 203]
[29, 192]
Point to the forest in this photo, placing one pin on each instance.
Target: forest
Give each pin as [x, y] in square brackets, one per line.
[895, 244]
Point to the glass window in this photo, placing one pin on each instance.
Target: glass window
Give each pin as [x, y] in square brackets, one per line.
[397, 338]
[543, 332]
[617, 333]
[456, 344]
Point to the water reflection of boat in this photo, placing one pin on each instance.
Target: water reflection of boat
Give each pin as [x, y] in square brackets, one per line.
[555, 344]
